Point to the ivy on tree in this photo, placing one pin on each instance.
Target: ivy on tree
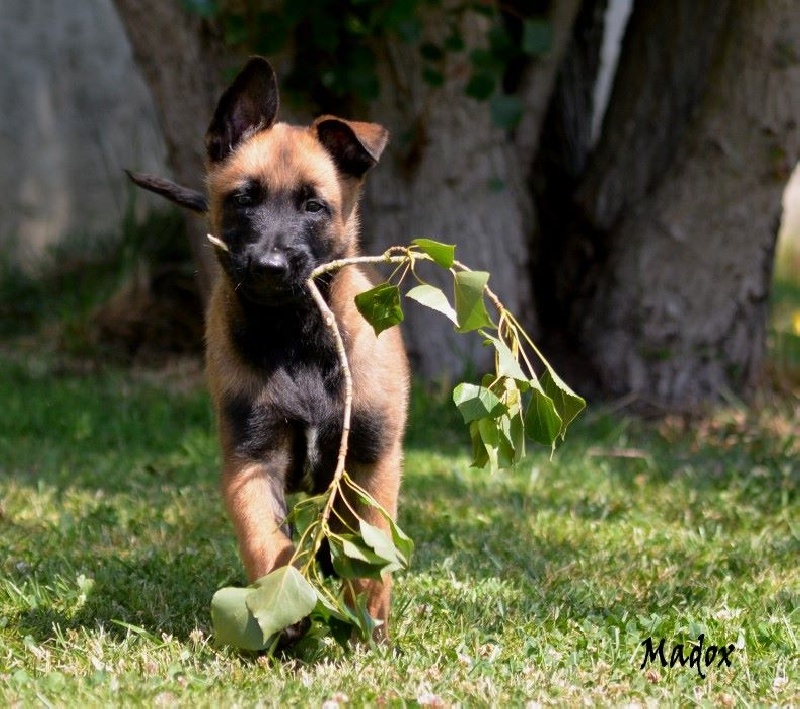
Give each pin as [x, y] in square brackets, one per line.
[335, 44]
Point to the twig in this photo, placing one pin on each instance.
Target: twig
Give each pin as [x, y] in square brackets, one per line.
[394, 255]
[630, 453]
[218, 243]
[355, 260]
[329, 321]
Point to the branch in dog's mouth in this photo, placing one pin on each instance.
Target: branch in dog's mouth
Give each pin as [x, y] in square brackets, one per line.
[183, 196]
[218, 243]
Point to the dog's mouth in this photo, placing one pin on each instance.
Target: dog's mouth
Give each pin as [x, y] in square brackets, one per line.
[261, 293]
[264, 287]
[271, 278]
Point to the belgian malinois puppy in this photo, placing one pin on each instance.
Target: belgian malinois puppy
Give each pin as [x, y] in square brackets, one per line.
[282, 200]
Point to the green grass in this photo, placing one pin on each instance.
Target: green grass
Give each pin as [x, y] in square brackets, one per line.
[783, 334]
[533, 586]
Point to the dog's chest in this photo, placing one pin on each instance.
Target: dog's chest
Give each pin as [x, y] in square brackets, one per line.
[296, 417]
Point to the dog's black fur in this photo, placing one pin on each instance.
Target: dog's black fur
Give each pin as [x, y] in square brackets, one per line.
[282, 200]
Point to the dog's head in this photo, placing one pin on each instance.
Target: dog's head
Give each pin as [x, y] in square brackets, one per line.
[282, 199]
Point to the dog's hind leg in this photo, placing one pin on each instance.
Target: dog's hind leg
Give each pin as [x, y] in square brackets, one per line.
[382, 481]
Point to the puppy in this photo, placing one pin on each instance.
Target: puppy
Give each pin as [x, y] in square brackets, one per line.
[282, 200]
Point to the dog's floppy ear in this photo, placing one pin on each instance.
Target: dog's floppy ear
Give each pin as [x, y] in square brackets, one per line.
[354, 146]
[184, 196]
[248, 105]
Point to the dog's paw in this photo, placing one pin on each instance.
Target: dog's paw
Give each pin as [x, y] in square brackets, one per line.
[293, 634]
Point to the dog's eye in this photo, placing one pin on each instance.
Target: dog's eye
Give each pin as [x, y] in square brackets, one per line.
[314, 205]
[246, 196]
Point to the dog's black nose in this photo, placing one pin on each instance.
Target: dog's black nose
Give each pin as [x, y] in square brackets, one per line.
[271, 264]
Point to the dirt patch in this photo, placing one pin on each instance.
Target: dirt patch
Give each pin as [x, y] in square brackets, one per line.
[152, 319]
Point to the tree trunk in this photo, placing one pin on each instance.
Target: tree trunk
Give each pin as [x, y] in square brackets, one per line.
[559, 164]
[181, 58]
[449, 174]
[453, 176]
[669, 257]
[650, 255]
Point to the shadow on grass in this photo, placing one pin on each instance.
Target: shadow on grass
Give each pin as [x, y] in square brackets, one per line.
[623, 520]
[156, 544]
[156, 600]
[118, 564]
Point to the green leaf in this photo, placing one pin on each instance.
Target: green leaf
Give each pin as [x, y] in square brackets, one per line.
[408, 30]
[515, 435]
[476, 402]
[443, 254]
[506, 110]
[380, 307]
[433, 298]
[490, 437]
[480, 458]
[339, 619]
[470, 306]
[497, 443]
[508, 454]
[502, 46]
[401, 540]
[431, 52]
[454, 42]
[203, 8]
[305, 513]
[507, 364]
[511, 424]
[567, 403]
[281, 598]
[403, 543]
[327, 608]
[353, 559]
[235, 31]
[480, 85]
[486, 61]
[356, 549]
[542, 422]
[432, 77]
[233, 622]
[365, 623]
[537, 37]
[382, 545]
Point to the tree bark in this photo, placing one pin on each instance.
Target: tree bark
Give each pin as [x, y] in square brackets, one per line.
[680, 207]
[649, 255]
[559, 164]
[453, 176]
[449, 174]
[181, 57]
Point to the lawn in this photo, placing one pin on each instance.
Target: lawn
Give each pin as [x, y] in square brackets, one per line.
[540, 585]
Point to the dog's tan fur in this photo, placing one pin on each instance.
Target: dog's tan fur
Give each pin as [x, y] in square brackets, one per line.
[279, 158]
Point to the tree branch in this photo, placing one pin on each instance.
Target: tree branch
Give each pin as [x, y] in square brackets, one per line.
[329, 320]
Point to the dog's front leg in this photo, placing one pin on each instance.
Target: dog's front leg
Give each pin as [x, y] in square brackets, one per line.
[254, 497]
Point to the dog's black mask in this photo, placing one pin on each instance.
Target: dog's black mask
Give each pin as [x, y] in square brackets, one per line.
[274, 241]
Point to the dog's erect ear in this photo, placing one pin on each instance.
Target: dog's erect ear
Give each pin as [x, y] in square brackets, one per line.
[248, 105]
[184, 196]
[354, 146]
